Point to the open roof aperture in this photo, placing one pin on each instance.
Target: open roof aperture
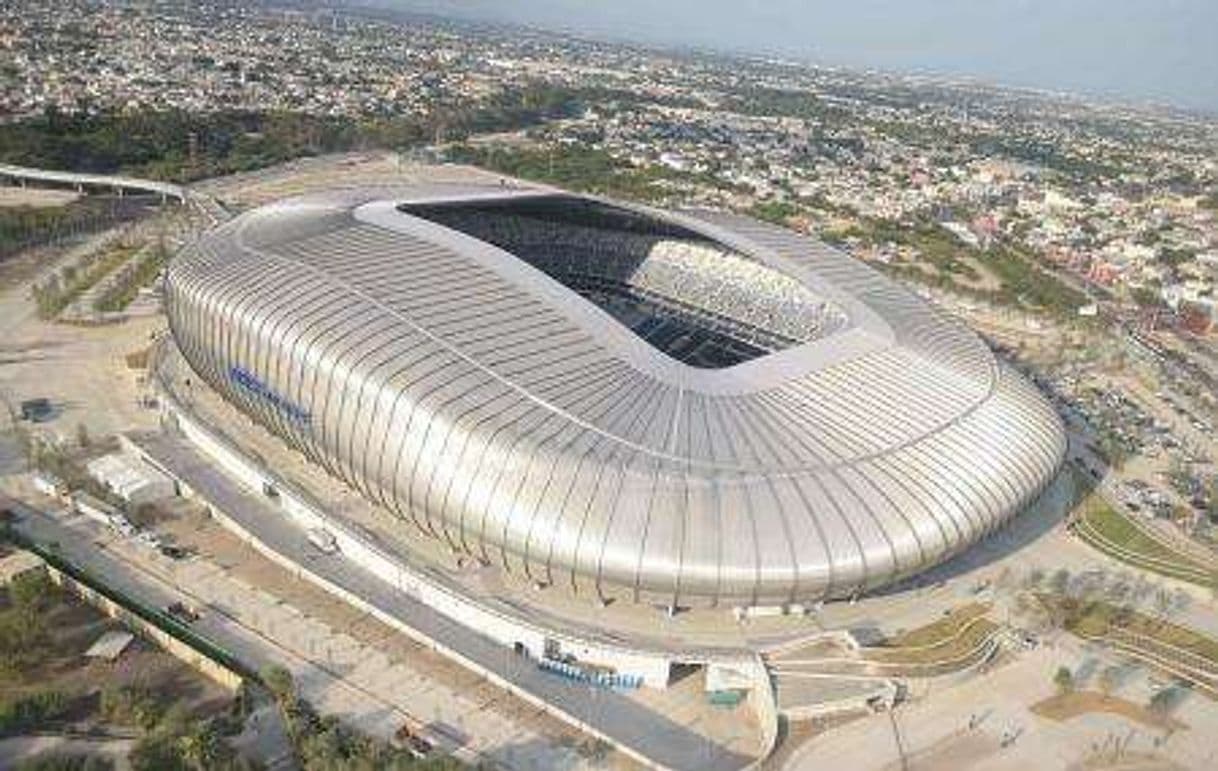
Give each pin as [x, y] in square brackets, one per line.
[686, 295]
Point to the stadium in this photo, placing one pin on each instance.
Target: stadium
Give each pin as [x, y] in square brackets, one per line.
[676, 408]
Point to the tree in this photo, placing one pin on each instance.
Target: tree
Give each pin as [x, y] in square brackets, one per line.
[595, 750]
[1162, 700]
[203, 748]
[1034, 578]
[1145, 296]
[1060, 582]
[1113, 450]
[158, 751]
[37, 709]
[30, 590]
[1064, 680]
[23, 637]
[1110, 680]
[1163, 604]
[1211, 506]
[1180, 477]
[278, 680]
[131, 704]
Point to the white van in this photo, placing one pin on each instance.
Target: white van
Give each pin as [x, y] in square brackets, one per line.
[322, 540]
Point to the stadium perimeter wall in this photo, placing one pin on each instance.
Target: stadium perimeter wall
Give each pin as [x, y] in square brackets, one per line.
[761, 698]
[652, 668]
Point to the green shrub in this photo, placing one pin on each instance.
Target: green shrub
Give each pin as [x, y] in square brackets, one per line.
[23, 641]
[57, 761]
[158, 751]
[21, 713]
[178, 745]
[131, 705]
[31, 590]
[181, 145]
[127, 285]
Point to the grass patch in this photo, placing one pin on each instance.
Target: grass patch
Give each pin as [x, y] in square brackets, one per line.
[22, 227]
[62, 288]
[62, 761]
[935, 246]
[37, 709]
[1118, 529]
[1114, 528]
[1023, 281]
[1097, 619]
[954, 635]
[120, 294]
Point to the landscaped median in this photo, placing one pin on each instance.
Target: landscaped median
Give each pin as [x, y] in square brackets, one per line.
[1175, 649]
[54, 294]
[956, 640]
[1112, 532]
[130, 278]
[960, 639]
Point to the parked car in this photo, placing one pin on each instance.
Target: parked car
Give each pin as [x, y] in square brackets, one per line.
[175, 552]
[323, 540]
[183, 612]
[36, 410]
[406, 737]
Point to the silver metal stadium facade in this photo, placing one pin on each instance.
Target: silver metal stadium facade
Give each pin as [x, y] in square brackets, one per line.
[475, 393]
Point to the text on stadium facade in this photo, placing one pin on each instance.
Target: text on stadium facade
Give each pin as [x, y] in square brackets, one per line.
[250, 383]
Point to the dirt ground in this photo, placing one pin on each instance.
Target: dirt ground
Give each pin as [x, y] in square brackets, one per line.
[22, 267]
[73, 627]
[1067, 705]
[34, 196]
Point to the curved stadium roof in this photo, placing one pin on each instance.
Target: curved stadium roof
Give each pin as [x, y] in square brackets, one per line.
[679, 408]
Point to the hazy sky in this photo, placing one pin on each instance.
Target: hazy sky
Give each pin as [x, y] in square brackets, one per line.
[1160, 50]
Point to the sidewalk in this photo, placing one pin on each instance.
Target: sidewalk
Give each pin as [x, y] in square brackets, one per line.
[626, 723]
[336, 673]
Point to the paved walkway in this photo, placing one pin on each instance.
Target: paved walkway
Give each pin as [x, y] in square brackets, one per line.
[626, 723]
[986, 723]
[338, 674]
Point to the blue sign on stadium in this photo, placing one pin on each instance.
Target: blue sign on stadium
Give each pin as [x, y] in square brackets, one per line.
[249, 382]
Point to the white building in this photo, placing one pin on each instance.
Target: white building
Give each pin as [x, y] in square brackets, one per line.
[129, 479]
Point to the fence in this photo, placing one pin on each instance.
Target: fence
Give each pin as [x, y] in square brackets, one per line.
[173, 635]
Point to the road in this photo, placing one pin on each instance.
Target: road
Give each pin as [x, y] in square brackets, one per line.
[335, 672]
[115, 182]
[625, 721]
